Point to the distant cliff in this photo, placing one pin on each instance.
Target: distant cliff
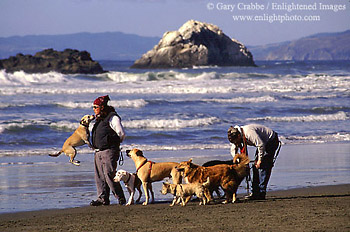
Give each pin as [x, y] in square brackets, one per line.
[196, 44]
[326, 46]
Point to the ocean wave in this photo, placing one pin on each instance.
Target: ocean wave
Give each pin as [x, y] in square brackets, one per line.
[338, 137]
[310, 97]
[22, 78]
[136, 103]
[23, 125]
[339, 116]
[242, 99]
[68, 126]
[174, 82]
[169, 123]
[65, 125]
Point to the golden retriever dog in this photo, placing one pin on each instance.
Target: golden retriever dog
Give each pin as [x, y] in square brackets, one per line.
[148, 171]
[228, 177]
[78, 138]
[184, 192]
[131, 182]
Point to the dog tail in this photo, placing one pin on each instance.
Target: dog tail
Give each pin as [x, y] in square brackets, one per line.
[56, 154]
[207, 183]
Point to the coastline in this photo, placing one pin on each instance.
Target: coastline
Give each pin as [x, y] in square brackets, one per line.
[322, 208]
[31, 183]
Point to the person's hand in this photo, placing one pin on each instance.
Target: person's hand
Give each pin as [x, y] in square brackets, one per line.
[257, 164]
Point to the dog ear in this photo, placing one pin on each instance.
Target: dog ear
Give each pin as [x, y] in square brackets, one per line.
[139, 153]
[190, 160]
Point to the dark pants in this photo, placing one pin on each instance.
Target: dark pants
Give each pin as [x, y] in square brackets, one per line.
[105, 169]
[262, 175]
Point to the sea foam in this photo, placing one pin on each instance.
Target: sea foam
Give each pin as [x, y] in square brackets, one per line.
[308, 118]
[170, 123]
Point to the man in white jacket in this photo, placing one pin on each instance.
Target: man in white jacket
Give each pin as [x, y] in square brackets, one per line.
[266, 141]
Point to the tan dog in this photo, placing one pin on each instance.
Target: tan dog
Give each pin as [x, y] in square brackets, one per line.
[228, 177]
[131, 182]
[184, 192]
[149, 172]
[78, 138]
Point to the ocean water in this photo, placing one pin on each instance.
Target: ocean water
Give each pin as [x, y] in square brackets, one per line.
[165, 111]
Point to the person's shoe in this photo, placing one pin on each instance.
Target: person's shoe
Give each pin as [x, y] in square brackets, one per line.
[99, 202]
[122, 201]
[255, 197]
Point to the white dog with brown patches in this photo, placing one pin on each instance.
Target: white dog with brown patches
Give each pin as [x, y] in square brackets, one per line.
[78, 138]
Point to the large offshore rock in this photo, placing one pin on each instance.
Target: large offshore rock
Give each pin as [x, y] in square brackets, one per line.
[196, 44]
[68, 62]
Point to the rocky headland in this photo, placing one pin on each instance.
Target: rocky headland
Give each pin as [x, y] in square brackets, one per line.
[324, 47]
[67, 62]
[196, 44]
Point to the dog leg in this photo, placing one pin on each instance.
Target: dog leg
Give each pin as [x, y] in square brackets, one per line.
[234, 198]
[140, 194]
[71, 152]
[145, 189]
[207, 195]
[234, 195]
[151, 190]
[187, 199]
[131, 198]
[175, 200]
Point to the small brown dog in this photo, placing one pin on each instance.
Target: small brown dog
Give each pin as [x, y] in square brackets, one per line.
[149, 172]
[78, 138]
[184, 192]
[228, 177]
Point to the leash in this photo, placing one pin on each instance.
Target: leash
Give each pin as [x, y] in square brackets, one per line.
[248, 178]
[121, 159]
[245, 148]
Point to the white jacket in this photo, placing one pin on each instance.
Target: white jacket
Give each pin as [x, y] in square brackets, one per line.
[257, 136]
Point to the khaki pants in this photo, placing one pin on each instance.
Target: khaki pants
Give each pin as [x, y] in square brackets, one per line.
[105, 169]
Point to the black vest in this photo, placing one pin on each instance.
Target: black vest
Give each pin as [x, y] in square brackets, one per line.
[103, 136]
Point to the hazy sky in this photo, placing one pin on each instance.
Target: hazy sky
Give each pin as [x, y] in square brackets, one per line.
[267, 21]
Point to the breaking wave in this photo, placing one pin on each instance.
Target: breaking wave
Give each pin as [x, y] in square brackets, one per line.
[339, 116]
[170, 123]
[137, 103]
[242, 100]
[338, 137]
[22, 78]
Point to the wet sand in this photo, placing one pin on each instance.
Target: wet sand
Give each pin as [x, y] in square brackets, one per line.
[323, 208]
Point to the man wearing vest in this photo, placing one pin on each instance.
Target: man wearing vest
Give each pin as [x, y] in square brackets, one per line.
[266, 141]
[107, 134]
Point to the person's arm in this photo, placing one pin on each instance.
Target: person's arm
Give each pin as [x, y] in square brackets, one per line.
[254, 139]
[116, 124]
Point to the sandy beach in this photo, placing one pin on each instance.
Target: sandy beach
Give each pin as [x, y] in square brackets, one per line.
[324, 208]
